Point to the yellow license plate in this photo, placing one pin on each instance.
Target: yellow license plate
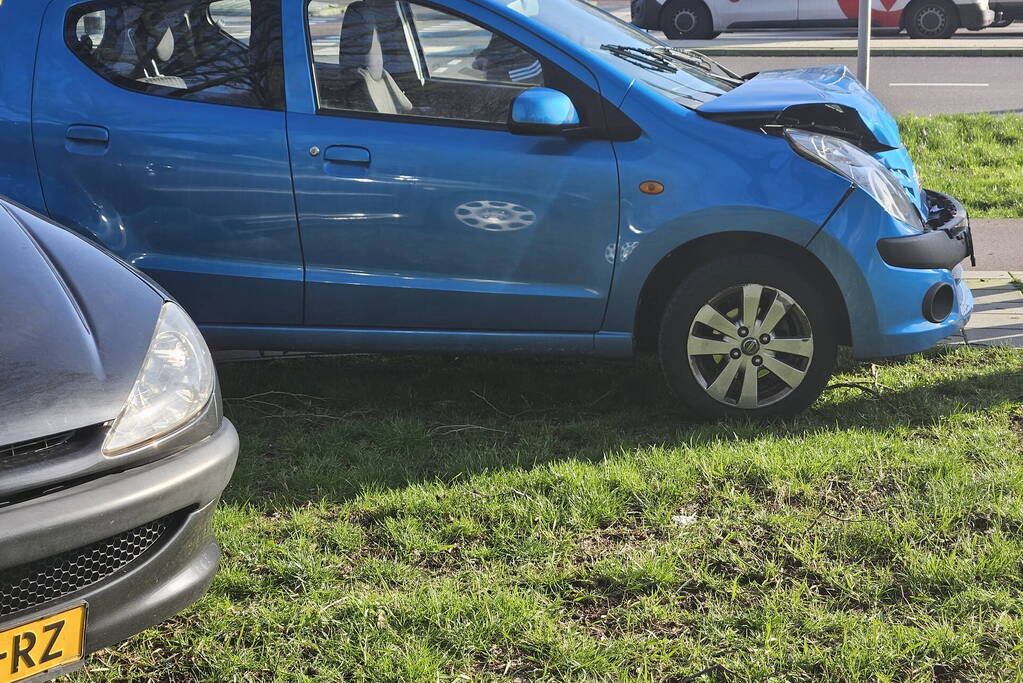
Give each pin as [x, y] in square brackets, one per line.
[42, 644]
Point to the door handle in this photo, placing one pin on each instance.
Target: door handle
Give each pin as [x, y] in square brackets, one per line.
[85, 133]
[346, 154]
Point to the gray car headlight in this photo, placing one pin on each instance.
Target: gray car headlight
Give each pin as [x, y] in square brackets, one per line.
[175, 383]
[865, 171]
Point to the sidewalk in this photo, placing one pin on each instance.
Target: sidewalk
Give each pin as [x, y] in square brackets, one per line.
[998, 310]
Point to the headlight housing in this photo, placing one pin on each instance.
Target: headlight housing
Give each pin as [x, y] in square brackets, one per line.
[865, 171]
[175, 383]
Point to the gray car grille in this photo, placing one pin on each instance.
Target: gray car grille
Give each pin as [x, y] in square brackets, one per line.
[57, 576]
[36, 446]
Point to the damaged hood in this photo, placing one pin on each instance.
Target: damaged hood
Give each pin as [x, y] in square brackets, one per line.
[823, 99]
[798, 90]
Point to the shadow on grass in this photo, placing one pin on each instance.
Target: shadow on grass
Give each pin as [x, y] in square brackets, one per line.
[330, 428]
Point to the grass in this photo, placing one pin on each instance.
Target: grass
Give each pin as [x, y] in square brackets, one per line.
[975, 157]
[424, 519]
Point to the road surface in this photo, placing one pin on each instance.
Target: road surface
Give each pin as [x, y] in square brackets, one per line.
[923, 85]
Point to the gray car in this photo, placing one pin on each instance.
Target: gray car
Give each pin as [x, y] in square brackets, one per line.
[113, 451]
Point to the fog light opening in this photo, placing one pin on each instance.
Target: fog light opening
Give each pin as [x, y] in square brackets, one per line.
[938, 302]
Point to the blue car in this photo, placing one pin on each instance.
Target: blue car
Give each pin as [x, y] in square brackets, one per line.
[495, 176]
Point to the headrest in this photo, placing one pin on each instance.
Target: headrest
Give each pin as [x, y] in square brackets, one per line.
[165, 48]
[159, 34]
[360, 43]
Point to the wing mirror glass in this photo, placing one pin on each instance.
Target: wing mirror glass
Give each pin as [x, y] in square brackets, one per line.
[542, 111]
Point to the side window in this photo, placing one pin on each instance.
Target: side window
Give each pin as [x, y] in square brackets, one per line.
[395, 57]
[493, 57]
[223, 52]
[233, 17]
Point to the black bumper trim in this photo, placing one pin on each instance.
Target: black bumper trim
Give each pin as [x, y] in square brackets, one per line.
[940, 246]
[973, 17]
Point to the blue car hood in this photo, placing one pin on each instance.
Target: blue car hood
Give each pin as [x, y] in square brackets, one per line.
[787, 91]
[779, 89]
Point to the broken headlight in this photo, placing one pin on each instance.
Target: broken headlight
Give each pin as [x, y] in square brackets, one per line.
[863, 170]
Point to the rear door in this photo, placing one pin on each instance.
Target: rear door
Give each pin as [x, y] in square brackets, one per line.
[160, 133]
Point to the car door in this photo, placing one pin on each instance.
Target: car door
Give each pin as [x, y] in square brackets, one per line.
[418, 208]
[160, 133]
[752, 13]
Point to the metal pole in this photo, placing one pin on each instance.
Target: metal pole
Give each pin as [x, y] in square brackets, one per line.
[863, 44]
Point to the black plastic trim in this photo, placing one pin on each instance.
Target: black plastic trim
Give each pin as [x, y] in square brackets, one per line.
[940, 246]
[973, 17]
[1008, 10]
[937, 309]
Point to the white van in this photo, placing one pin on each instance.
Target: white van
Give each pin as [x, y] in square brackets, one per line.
[705, 19]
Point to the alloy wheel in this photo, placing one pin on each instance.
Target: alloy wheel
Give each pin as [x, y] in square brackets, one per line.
[750, 346]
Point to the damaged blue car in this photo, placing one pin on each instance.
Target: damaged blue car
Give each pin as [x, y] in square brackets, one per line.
[492, 176]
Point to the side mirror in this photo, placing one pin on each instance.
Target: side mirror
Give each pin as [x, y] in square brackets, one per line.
[542, 111]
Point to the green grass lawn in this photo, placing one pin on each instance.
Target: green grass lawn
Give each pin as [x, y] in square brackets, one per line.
[975, 157]
[423, 519]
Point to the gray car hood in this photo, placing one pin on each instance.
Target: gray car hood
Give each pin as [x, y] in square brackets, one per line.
[75, 325]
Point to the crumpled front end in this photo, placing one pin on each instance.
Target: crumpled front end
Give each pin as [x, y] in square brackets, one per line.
[820, 99]
[903, 288]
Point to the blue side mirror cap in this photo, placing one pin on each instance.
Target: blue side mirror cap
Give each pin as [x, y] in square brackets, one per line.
[542, 111]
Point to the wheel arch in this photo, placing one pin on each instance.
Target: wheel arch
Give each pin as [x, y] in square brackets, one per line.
[665, 277]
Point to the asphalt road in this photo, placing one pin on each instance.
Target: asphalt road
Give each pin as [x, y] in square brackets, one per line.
[923, 85]
[998, 244]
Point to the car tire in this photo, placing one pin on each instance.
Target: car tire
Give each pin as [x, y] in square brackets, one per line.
[931, 19]
[717, 355]
[687, 20]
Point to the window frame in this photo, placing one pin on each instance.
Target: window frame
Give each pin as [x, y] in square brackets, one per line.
[424, 69]
[100, 70]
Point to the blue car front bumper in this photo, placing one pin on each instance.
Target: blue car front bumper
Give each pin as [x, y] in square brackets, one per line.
[887, 273]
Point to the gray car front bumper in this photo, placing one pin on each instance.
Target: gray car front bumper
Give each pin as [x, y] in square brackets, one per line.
[183, 488]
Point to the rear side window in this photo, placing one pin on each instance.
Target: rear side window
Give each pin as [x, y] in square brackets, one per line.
[223, 52]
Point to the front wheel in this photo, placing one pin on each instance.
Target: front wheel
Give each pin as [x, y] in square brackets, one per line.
[747, 336]
[931, 19]
[687, 20]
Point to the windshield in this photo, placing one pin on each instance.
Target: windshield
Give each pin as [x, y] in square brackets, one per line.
[626, 48]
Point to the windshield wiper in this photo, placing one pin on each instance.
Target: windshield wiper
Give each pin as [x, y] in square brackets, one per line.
[642, 57]
[699, 59]
[661, 57]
